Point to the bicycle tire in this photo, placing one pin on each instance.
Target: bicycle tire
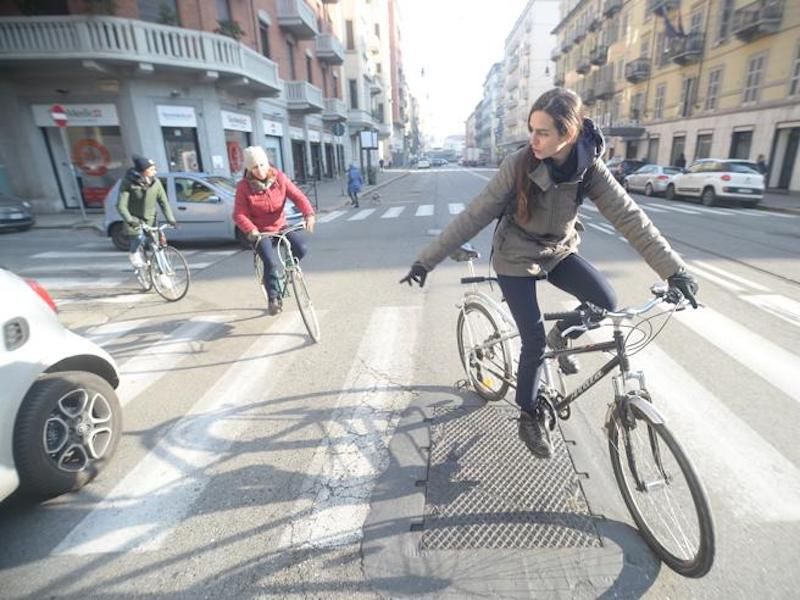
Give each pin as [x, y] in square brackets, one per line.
[171, 286]
[304, 303]
[483, 379]
[258, 265]
[692, 561]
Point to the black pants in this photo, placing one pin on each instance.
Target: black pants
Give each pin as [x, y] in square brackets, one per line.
[574, 275]
[269, 255]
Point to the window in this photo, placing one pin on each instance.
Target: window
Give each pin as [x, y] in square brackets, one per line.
[696, 21]
[223, 10]
[191, 190]
[725, 14]
[377, 30]
[754, 69]
[309, 70]
[702, 148]
[353, 83]
[652, 151]
[714, 78]
[740, 144]
[678, 147]
[644, 47]
[335, 86]
[290, 55]
[612, 31]
[263, 34]
[661, 92]
[687, 96]
[351, 38]
[636, 106]
[624, 32]
[159, 11]
[794, 82]
[661, 49]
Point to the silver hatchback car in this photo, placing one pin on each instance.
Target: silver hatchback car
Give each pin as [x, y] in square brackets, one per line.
[650, 179]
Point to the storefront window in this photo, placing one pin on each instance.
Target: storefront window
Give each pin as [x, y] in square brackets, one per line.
[236, 142]
[182, 149]
[98, 156]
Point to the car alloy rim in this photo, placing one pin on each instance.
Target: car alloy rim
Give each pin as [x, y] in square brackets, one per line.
[78, 431]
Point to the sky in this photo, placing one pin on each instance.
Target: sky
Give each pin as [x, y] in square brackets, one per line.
[456, 42]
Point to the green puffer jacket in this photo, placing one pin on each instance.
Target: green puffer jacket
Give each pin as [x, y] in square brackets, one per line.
[137, 201]
[535, 247]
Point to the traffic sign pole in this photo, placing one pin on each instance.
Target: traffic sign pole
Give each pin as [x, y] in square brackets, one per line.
[59, 116]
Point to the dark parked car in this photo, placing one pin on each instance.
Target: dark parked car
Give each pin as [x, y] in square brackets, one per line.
[15, 214]
[620, 167]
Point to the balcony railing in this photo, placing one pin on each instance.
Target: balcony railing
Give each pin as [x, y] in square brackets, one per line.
[583, 65]
[686, 50]
[594, 23]
[666, 5]
[604, 88]
[335, 110]
[758, 18]
[330, 49]
[555, 53]
[611, 7]
[117, 40]
[303, 97]
[558, 80]
[637, 70]
[566, 45]
[580, 35]
[298, 18]
[359, 119]
[599, 55]
[376, 86]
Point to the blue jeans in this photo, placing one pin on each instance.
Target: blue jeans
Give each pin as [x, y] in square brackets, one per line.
[269, 254]
[574, 275]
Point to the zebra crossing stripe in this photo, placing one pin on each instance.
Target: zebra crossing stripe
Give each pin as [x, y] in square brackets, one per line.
[455, 207]
[746, 282]
[362, 214]
[424, 210]
[393, 212]
[327, 218]
[601, 228]
[146, 506]
[655, 209]
[103, 334]
[720, 281]
[678, 209]
[777, 305]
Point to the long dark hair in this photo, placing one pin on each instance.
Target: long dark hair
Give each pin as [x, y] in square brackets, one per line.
[566, 109]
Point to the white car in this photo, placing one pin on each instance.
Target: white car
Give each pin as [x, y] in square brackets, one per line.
[650, 179]
[60, 419]
[423, 163]
[712, 180]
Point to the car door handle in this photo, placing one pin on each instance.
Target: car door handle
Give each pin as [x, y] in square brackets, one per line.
[181, 208]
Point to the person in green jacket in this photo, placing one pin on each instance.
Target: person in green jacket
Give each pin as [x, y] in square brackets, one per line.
[138, 195]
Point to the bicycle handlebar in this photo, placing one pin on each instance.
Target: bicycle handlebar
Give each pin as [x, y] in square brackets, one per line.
[284, 231]
[161, 227]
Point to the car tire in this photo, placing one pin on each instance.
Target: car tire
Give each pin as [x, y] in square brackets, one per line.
[670, 193]
[66, 431]
[118, 236]
[648, 190]
[708, 197]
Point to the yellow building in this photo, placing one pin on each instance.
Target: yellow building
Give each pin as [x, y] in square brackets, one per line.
[707, 78]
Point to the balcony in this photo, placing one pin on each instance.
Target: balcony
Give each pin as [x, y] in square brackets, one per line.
[513, 63]
[512, 84]
[611, 7]
[686, 50]
[638, 70]
[583, 65]
[359, 119]
[757, 19]
[594, 23]
[145, 46]
[376, 86]
[566, 45]
[384, 130]
[665, 5]
[303, 97]
[298, 18]
[599, 55]
[604, 88]
[580, 35]
[555, 54]
[558, 80]
[335, 110]
[330, 49]
[588, 95]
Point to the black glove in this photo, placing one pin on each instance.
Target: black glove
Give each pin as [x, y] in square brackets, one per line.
[417, 274]
[685, 284]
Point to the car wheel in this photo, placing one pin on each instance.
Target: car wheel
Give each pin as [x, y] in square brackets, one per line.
[67, 429]
[119, 238]
[670, 193]
[709, 198]
[648, 190]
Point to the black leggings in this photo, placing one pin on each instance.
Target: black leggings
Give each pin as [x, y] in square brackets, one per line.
[574, 275]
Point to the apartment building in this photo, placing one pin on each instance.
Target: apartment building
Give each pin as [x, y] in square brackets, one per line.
[709, 78]
[489, 119]
[189, 83]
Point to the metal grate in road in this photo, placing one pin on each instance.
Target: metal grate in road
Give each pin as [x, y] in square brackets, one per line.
[485, 489]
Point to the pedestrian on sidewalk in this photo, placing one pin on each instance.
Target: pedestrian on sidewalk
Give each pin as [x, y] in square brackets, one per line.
[535, 197]
[380, 164]
[139, 193]
[680, 162]
[354, 183]
[761, 163]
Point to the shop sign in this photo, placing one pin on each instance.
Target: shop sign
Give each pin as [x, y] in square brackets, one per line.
[296, 133]
[313, 135]
[176, 116]
[236, 122]
[77, 115]
[273, 128]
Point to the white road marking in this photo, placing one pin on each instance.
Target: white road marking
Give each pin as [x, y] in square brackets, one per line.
[116, 299]
[711, 211]
[93, 267]
[335, 498]
[143, 509]
[720, 281]
[327, 218]
[393, 212]
[424, 210]
[59, 254]
[67, 283]
[455, 207]
[650, 207]
[746, 282]
[777, 305]
[679, 209]
[362, 214]
[601, 228]
[102, 334]
[219, 252]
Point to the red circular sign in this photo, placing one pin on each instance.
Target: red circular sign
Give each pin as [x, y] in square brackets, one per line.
[91, 156]
[59, 115]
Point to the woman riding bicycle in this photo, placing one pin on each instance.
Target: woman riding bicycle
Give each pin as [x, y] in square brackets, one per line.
[535, 195]
[260, 198]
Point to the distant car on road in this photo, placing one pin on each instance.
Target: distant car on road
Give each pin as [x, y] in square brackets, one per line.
[650, 179]
[60, 419]
[620, 167]
[712, 180]
[15, 214]
[423, 163]
[439, 162]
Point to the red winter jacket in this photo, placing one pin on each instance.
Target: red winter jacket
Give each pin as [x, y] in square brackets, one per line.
[264, 210]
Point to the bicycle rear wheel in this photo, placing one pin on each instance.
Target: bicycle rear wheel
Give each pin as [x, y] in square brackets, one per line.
[170, 273]
[486, 357]
[304, 304]
[662, 492]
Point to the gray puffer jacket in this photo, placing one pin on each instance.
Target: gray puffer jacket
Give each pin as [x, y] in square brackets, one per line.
[535, 247]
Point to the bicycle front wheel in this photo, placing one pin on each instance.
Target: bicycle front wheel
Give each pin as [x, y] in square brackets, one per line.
[170, 273]
[485, 356]
[662, 492]
[304, 304]
[144, 279]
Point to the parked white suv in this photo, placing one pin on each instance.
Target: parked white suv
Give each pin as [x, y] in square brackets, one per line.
[60, 419]
[718, 179]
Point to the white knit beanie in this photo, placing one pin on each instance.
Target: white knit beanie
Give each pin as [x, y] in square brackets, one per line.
[254, 156]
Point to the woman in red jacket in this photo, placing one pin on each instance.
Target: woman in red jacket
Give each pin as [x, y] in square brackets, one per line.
[260, 198]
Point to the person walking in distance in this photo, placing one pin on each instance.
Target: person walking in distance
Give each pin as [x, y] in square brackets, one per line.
[260, 199]
[535, 195]
[761, 163]
[354, 183]
[680, 161]
[139, 194]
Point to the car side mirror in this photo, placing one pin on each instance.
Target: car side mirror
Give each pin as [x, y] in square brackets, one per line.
[214, 199]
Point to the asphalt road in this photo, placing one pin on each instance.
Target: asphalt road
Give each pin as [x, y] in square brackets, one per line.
[254, 462]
